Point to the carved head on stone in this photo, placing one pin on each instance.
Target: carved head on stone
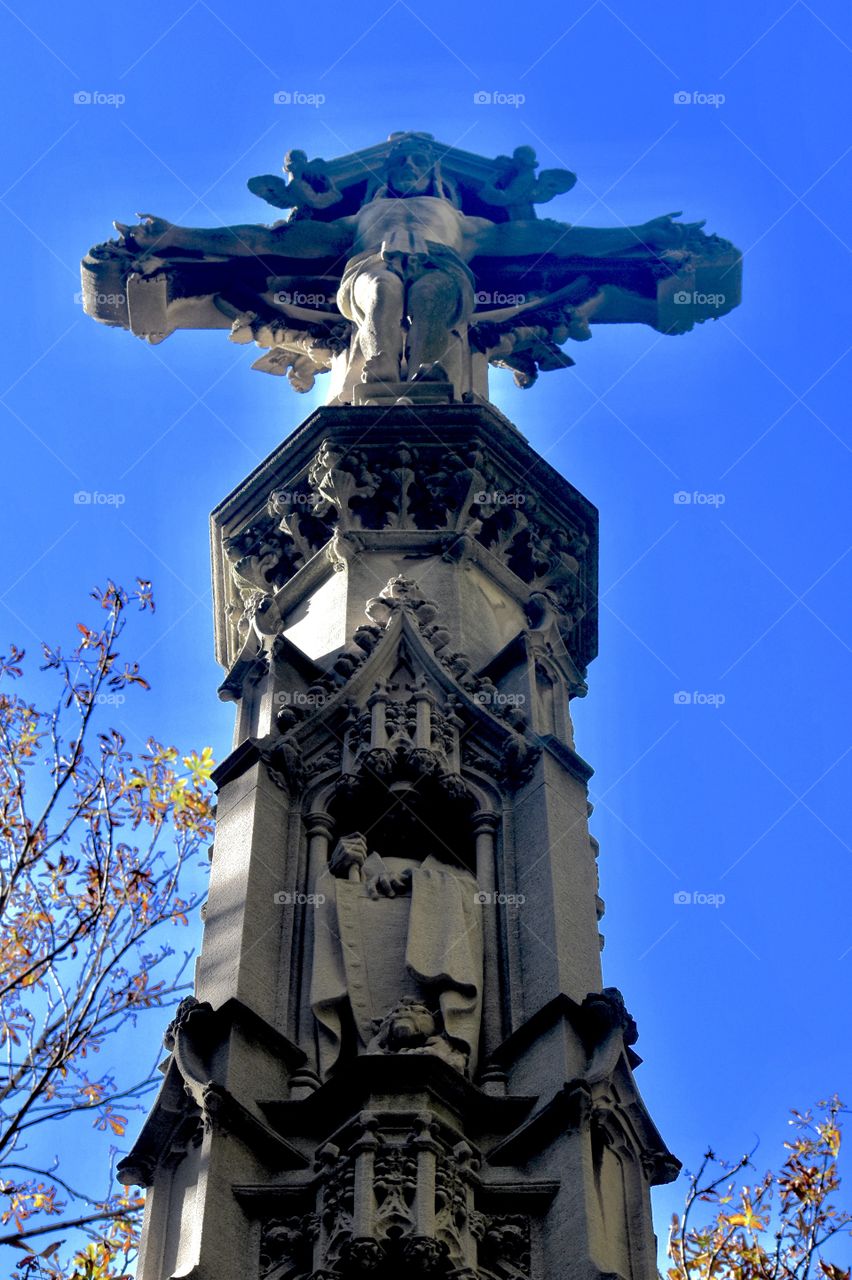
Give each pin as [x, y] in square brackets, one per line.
[522, 158]
[408, 1026]
[413, 169]
[295, 162]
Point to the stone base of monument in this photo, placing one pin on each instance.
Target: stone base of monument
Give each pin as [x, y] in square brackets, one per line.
[403, 393]
[400, 1057]
[399, 1161]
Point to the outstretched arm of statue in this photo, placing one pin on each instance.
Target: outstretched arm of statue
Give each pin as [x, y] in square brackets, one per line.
[306, 239]
[562, 240]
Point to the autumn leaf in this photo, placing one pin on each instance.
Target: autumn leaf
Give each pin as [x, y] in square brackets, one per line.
[747, 1219]
[201, 766]
[832, 1272]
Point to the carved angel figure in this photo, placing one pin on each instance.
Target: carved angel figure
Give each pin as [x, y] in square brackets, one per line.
[309, 186]
[518, 188]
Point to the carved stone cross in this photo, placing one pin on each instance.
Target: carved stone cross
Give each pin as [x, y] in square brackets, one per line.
[406, 270]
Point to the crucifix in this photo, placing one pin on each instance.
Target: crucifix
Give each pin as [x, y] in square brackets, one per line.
[406, 270]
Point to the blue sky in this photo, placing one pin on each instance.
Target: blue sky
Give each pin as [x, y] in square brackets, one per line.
[741, 1006]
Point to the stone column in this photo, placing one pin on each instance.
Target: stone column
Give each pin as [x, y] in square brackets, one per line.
[484, 830]
[319, 826]
[364, 1150]
[482, 1055]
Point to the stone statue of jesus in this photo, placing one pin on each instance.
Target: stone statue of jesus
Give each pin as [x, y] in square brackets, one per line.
[407, 284]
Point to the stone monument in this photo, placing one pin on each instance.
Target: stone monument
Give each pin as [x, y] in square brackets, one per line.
[400, 1052]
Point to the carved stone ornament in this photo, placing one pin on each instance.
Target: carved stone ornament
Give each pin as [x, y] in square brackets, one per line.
[374, 1194]
[401, 283]
[376, 493]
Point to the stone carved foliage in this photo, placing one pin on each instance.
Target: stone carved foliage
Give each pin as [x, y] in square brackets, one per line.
[512, 767]
[609, 1015]
[401, 726]
[375, 1194]
[396, 487]
[428, 488]
[181, 1016]
[338, 1200]
[513, 527]
[504, 1245]
[403, 593]
[395, 1189]
[284, 765]
[517, 757]
[408, 741]
[351, 656]
[286, 1246]
[274, 545]
[191, 1102]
